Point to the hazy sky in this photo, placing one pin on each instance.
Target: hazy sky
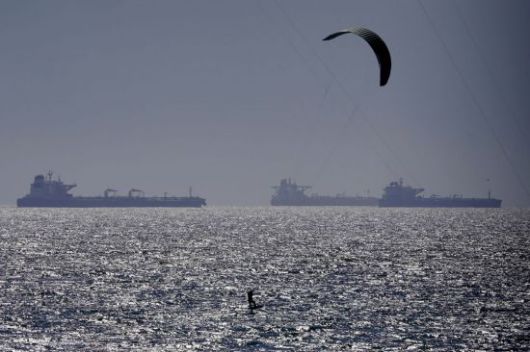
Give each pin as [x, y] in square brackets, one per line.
[230, 96]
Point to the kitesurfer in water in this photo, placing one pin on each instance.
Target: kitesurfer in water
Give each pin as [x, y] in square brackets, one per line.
[251, 303]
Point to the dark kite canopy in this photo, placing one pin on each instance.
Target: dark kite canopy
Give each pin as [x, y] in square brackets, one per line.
[378, 46]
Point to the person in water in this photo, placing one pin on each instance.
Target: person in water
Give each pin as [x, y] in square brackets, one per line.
[251, 303]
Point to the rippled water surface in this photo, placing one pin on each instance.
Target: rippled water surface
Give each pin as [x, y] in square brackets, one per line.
[329, 279]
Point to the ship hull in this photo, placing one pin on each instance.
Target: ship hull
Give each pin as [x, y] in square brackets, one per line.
[327, 201]
[442, 203]
[111, 202]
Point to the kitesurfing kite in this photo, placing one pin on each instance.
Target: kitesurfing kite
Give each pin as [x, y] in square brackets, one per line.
[378, 46]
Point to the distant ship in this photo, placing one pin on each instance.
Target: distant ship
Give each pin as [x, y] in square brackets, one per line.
[47, 192]
[289, 193]
[398, 195]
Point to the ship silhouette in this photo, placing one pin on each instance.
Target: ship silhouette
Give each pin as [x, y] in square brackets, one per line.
[396, 194]
[290, 194]
[49, 192]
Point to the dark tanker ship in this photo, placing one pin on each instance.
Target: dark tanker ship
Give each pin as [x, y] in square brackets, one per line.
[291, 194]
[398, 195]
[47, 192]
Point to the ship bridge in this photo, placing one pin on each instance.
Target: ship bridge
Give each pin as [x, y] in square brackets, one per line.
[48, 187]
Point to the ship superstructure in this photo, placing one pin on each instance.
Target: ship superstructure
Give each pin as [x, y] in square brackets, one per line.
[49, 192]
[291, 194]
[396, 194]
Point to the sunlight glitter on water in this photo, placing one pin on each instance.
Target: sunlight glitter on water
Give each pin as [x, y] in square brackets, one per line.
[329, 279]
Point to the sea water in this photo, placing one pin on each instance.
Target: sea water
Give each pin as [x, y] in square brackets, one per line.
[336, 279]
